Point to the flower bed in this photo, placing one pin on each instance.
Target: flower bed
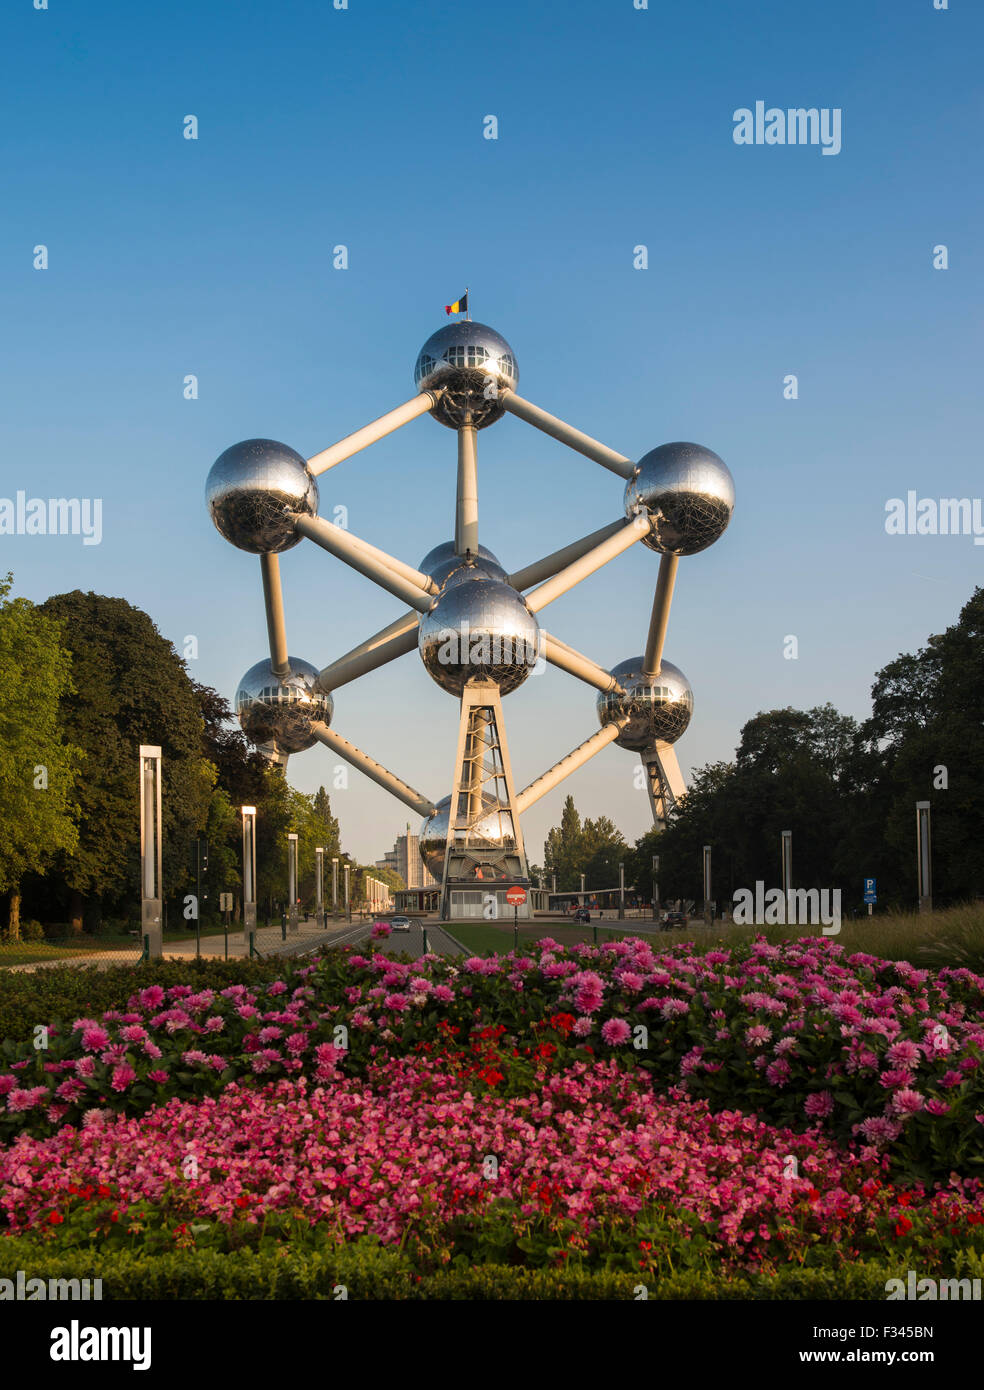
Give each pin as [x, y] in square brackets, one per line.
[876, 1052]
[591, 1166]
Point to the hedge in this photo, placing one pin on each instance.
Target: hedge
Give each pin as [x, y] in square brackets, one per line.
[380, 1274]
[68, 992]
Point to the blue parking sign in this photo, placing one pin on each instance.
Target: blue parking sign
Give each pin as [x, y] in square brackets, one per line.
[870, 891]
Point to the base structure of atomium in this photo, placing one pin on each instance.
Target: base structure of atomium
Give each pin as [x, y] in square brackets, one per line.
[476, 627]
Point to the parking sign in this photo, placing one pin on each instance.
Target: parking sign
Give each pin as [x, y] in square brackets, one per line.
[870, 891]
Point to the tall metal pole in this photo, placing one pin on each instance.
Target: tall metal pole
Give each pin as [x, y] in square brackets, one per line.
[151, 891]
[655, 889]
[924, 857]
[786, 850]
[249, 872]
[319, 885]
[708, 911]
[621, 892]
[348, 896]
[292, 881]
[334, 887]
[582, 890]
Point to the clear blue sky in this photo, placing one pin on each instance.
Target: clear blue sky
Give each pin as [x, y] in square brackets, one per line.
[364, 127]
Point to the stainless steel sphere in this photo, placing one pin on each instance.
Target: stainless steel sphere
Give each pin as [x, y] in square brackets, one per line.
[251, 490]
[280, 712]
[688, 492]
[481, 628]
[658, 707]
[442, 562]
[471, 362]
[488, 833]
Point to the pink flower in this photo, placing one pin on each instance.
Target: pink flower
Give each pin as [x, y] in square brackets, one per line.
[819, 1104]
[122, 1077]
[907, 1101]
[615, 1031]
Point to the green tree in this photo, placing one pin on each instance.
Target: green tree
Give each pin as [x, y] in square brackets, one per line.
[563, 850]
[37, 765]
[131, 688]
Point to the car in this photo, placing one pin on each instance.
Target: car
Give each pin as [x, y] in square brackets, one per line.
[582, 915]
[672, 920]
[400, 923]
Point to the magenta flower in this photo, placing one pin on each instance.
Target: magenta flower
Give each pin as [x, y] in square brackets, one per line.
[615, 1031]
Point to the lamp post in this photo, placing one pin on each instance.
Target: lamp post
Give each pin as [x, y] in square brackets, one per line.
[621, 892]
[786, 850]
[151, 892]
[348, 896]
[655, 890]
[249, 872]
[334, 888]
[924, 857]
[582, 890]
[292, 881]
[319, 885]
[708, 911]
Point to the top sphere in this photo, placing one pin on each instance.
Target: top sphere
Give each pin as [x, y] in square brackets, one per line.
[442, 562]
[471, 363]
[251, 490]
[689, 494]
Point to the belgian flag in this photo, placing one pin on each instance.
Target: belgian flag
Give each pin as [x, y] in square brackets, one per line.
[460, 306]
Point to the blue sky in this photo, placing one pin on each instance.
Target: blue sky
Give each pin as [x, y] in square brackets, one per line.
[364, 127]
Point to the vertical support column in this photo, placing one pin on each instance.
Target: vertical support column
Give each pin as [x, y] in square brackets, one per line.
[466, 514]
[292, 881]
[786, 851]
[581, 899]
[660, 617]
[348, 895]
[708, 890]
[249, 872]
[334, 887]
[924, 856]
[656, 890]
[621, 892]
[319, 886]
[151, 892]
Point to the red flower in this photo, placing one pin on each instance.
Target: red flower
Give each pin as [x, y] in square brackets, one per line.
[242, 1200]
[55, 1218]
[904, 1225]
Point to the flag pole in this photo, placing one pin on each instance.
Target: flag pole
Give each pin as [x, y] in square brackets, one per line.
[468, 310]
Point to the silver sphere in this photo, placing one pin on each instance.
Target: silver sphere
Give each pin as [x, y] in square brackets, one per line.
[442, 562]
[463, 358]
[479, 628]
[251, 490]
[658, 707]
[688, 492]
[280, 712]
[488, 833]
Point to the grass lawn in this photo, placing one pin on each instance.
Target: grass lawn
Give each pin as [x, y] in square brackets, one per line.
[953, 936]
[68, 947]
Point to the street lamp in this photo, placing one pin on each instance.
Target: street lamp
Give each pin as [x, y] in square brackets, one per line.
[292, 880]
[334, 887]
[319, 885]
[249, 872]
[348, 898]
[151, 892]
[924, 861]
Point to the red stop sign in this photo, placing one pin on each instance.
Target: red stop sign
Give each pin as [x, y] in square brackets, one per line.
[516, 897]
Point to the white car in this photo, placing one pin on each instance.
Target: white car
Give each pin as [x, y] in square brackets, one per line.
[400, 923]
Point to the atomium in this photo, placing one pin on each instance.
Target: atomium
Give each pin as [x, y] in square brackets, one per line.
[689, 493]
[279, 713]
[470, 364]
[477, 634]
[658, 708]
[252, 490]
[479, 628]
[488, 832]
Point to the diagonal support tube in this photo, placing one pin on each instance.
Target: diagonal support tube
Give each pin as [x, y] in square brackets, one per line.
[574, 439]
[392, 642]
[372, 769]
[554, 563]
[369, 434]
[662, 599]
[631, 531]
[581, 754]
[560, 654]
[273, 601]
[374, 564]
